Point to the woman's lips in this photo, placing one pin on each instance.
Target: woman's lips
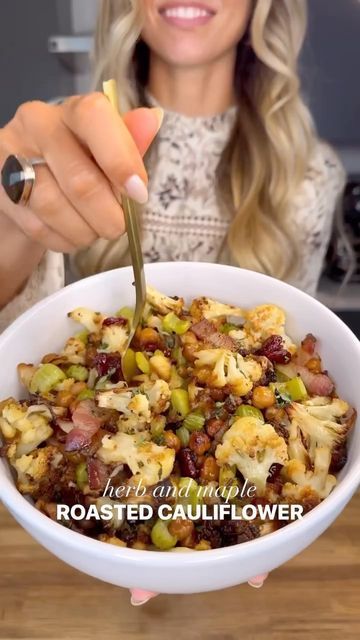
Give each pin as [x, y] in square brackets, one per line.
[186, 16]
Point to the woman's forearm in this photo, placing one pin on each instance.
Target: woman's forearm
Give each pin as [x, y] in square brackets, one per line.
[19, 256]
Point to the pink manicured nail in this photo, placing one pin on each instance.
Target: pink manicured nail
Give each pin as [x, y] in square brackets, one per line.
[159, 113]
[139, 597]
[258, 581]
[136, 189]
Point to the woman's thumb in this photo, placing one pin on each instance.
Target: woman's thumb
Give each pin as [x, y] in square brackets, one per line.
[143, 125]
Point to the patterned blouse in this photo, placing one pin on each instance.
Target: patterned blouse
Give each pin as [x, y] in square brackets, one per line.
[182, 219]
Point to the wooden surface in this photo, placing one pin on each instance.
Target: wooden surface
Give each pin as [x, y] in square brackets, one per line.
[315, 596]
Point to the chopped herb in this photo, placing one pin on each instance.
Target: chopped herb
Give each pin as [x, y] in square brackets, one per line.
[282, 398]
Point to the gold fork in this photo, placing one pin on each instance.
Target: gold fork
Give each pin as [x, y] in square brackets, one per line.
[132, 228]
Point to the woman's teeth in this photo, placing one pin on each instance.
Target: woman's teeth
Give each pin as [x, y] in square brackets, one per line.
[187, 13]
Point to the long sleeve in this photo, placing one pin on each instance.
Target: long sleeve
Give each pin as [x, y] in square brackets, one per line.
[314, 209]
[46, 279]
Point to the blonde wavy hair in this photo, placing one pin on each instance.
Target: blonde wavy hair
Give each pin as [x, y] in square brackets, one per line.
[268, 153]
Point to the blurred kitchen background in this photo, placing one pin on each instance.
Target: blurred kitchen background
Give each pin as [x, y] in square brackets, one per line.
[45, 50]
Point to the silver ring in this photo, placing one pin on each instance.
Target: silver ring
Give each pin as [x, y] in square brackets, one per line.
[18, 177]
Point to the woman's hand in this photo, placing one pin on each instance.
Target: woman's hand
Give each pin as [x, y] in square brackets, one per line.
[90, 153]
[140, 596]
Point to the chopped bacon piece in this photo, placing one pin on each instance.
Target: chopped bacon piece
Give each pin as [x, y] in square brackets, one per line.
[318, 384]
[309, 344]
[207, 332]
[86, 424]
[98, 474]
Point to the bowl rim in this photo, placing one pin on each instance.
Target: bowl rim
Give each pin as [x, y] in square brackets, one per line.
[63, 536]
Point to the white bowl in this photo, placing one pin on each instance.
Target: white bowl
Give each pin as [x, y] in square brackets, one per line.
[45, 327]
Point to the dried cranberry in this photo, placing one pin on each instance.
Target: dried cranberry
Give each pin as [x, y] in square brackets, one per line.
[209, 532]
[309, 344]
[338, 459]
[237, 532]
[232, 403]
[129, 532]
[121, 322]
[187, 460]
[274, 349]
[151, 347]
[108, 364]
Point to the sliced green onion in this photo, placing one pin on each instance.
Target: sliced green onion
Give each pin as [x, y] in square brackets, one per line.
[45, 378]
[180, 402]
[227, 327]
[194, 422]
[125, 312]
[173, 324]
[296, 389]
[248, 411]
[228, 482]
[158, 424]
[129, 366]
[178, 356]
[81, 475]
[142, 362]
[82, 336]
[192, 492]
[293, 388]
[161, 536]
[183, 435]
[227, 474]
[86, 394]
[78, 372]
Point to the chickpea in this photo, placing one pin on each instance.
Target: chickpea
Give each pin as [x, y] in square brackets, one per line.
[149, 336]
[314, 365]
[263, 397]
[203, 545]
[77, 387]
[213, 426]
[139, 545]
[64, 398]
[181, 528]
[172, 441]
[190, 346]
[209, 471]
[199, 442]
[274, 414]
[203, 375]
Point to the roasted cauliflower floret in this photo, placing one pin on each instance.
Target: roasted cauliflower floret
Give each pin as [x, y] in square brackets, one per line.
[228, 369]
[207, 308]
[114, 338]
[126, 402]
[35, 467]
[24, 428]
[74, 351]
[162, 303]
[91, 320]
[253, 447]
[264, 321]
[158, 394]
[148, 462]
[161, 366]
[319, 480]
[317, 419]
